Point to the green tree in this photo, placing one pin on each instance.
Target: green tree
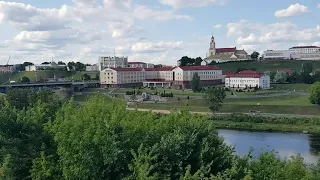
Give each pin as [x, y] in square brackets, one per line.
[280, 77]
[316, 76]
[255, 55]
[315, 93]
[214, 96]
[307, 67]
[195, 83]
[198, 61]
[305, 78]
[25, 79]
[294, 77]
[71, 65]
[86, 77]
[61, 63]
[272, 75]
[80, 66]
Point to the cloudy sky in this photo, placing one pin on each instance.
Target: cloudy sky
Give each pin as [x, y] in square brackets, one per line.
[156, 31]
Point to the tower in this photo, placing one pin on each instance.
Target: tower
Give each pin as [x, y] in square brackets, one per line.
[212, 49]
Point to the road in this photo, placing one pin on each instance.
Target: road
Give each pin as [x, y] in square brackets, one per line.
[221, 114]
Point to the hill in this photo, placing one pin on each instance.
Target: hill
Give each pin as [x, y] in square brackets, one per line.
[262, 66]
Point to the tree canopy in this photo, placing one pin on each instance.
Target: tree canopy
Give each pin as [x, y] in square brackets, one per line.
[214, 97]
[195, 83]
[255, 55]
[315, 93]
[186, 61]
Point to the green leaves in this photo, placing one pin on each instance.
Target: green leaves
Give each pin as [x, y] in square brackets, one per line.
[214, 97]
[315, 93]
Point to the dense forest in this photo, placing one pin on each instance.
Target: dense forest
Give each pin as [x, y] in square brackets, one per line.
[42, 137]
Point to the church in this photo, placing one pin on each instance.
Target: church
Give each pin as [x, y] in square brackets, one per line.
[220, 55]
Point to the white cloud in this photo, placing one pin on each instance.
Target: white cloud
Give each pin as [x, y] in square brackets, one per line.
[218, 26]
[149, 47]
[191, 3]
[247, 40]
[143, 12]
[292, 10]
[318, 5]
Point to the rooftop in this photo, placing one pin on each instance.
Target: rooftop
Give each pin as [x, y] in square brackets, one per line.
[127, 69]
[299, 47]
[136, 63]
[159, 69]
[224, 50]
[199, 68]
[245, 73]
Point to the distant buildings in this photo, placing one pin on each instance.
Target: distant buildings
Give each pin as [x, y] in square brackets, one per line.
[112, 62]
[50, 66]
[294, 53]
[140, 65]
[94, 67]
[247, 79]
[177, 77]
[224, 54]
[7, 69]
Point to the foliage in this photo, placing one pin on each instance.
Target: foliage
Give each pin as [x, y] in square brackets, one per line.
[280, 77]
[315, 93]
[305, 78]
[195, 83]
[294, 77]
[214, 97]
[186, 61]
[61, 63]
[45, 63]
[316, 76]
[22, 67]
[255, 55]
[86, 77]
[25, 79]
[307, 67]
[78, 66]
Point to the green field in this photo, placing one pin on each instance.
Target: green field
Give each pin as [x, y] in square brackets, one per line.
[262, 66]
[292, 87]
[150, 91]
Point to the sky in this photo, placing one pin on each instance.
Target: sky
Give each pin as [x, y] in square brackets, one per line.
[154, 31]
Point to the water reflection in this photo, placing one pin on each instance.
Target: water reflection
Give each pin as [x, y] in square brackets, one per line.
[286, 144]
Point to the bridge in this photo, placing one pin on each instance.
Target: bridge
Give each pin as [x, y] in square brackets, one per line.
[74, 86]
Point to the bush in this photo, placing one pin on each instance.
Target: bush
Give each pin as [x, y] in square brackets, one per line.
[188, 97]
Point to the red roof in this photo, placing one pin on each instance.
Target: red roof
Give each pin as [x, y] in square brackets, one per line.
[289, 71]
[136, 63]
[246, 73]
[157, 80]
[159, 69]
[199, 68]
[225, 50]
[298, 47]
[127, 69]
[227, 73]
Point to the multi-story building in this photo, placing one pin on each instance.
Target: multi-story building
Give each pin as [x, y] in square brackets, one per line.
[209, 76]
[112, 62]
[276, 54]
[122, 77]
[40, 67]
[247, 79]
[158, 77]
[140, 65]
[305, 53]
[6, 69]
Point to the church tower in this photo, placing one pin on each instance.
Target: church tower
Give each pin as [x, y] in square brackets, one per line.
[212, 49]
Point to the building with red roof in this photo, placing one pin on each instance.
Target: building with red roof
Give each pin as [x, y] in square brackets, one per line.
[247, 79]
[140, 65]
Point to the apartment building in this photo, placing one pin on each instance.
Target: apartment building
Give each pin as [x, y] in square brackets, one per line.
[247, 79]
[112, 62]
[294, 53]
[122, 77]
[158, 77]
[209, 76]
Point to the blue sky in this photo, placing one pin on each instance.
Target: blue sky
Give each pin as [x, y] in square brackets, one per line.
[156, 31]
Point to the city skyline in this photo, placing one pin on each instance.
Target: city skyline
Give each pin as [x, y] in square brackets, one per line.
[158, 31]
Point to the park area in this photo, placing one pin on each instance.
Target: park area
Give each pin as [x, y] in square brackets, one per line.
[281, 99]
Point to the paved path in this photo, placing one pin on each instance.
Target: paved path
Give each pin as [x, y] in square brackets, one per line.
[221, 114]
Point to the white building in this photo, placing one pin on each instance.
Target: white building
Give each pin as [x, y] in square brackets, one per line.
[140, 65]
[51, 66]
[209, 76]
[305, 53]
[247, 79]
[112, 62]
[94, 67]
[158, 77]
[276, 54]
[122, 77]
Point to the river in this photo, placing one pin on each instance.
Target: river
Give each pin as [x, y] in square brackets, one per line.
[286, 144]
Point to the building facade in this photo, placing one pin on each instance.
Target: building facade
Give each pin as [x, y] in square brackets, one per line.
[112, 62]
[140, 65]
[6, 69]
[158, 77]
[276, 55]
[41, 67]
[94, 67]
[122, 77]
[209, 76]
[247, 79]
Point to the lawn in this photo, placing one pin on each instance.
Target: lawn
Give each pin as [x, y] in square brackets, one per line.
[39, 74]
[289, 104]
[96, 90]
[292, 87]
[78, 75]
[262, 66]
[150, 91]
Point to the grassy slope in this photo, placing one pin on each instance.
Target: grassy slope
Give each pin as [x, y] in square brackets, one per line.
[262, 66]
